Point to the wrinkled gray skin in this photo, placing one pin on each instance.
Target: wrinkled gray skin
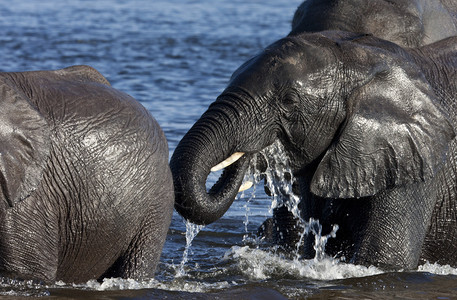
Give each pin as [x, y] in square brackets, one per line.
[368, 127]
[86, 188]
[409, 23]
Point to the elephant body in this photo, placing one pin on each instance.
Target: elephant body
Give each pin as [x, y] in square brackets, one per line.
[410, 23]
[369, 131]
[86, 188]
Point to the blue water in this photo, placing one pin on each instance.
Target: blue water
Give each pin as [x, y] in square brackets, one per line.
[175, 57]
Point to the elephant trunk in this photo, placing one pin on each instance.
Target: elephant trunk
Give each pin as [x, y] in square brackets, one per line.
[203, 149]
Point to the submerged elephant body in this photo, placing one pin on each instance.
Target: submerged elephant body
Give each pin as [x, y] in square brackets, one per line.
[369, 129]
[86, 188]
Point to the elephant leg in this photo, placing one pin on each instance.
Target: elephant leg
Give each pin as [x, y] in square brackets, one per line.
[27, 241]
[439, 244]
[138, 261]
[142, 256]
[396, 228]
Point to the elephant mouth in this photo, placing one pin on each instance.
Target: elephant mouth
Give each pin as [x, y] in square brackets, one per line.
[233, 168]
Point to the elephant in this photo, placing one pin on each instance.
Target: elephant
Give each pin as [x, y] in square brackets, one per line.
[87, 192]
[410, 23]
[368, 127]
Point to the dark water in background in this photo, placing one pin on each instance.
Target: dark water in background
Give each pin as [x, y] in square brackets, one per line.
[175, 57]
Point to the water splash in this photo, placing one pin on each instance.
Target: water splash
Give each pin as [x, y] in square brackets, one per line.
[248, 211]
[258, 264]
[280, 181]
[437, 269]
[254, 176]
[191, 232]
[255, 264]
[320, 241]
[10, 287]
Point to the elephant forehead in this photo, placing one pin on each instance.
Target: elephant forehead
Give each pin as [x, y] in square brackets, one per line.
[271, 69]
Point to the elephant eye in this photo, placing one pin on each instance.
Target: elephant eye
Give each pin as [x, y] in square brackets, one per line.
[291, 99]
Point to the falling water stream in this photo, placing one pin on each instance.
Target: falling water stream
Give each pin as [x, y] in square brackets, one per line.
[191, 232]
[279, 179]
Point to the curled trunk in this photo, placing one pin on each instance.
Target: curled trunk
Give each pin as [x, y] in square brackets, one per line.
[197, 153]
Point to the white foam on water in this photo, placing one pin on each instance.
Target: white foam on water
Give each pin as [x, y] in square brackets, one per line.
[253, 263]
[22, 288]
[256, 264]
[110, 284]
[260, 265]
[437, 269]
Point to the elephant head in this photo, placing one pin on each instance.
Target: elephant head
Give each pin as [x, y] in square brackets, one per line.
[407, 23]
[353, 111]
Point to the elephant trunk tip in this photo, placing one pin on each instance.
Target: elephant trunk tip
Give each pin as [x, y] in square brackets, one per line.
[192, 199]
[194, 216]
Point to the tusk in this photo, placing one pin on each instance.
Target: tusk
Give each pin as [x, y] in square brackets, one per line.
[246, 185]
[233, 158]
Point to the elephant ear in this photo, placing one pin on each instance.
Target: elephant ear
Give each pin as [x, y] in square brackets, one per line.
[24, 144]
[395, 134]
